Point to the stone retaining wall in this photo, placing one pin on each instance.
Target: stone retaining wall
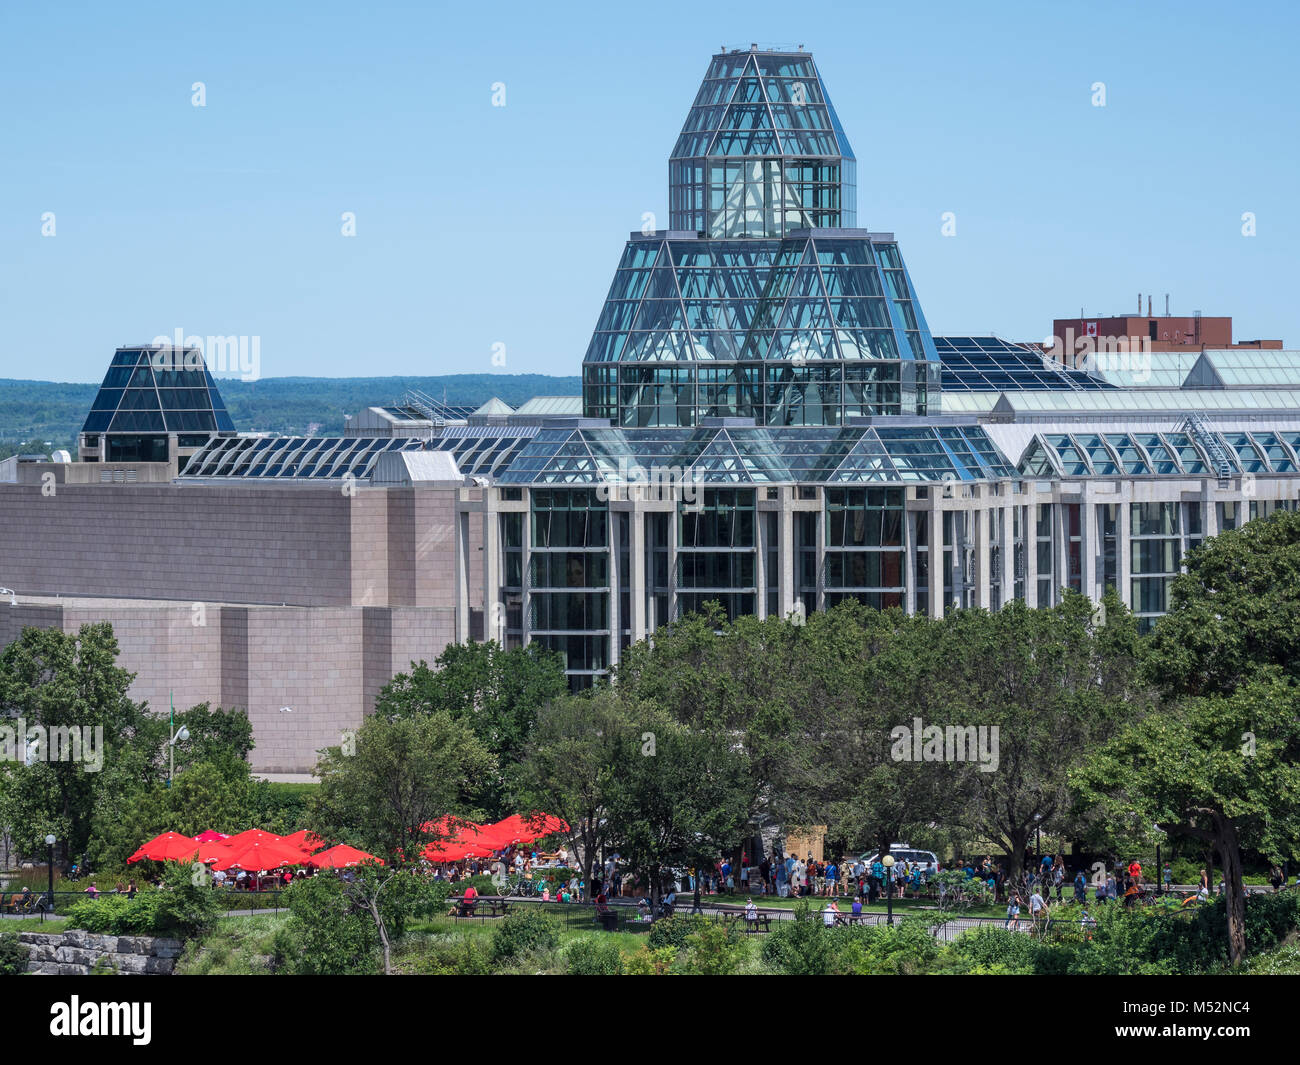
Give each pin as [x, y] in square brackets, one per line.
[78, 953]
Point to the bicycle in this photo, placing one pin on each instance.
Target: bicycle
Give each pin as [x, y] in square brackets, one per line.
[24, 906]
[522, 887]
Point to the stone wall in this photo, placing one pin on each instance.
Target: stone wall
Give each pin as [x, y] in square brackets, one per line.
[77, 953]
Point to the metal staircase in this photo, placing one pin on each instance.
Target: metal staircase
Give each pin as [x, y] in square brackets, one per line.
[1208, 439]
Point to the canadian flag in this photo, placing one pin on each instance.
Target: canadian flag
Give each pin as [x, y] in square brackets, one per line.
[1091, 329]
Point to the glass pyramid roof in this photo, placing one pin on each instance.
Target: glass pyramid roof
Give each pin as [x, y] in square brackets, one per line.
[756, 455]
[158, 390]
[824, 295]
[765, 104]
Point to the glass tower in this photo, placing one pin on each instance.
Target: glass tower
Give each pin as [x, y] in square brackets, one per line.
[762, 300]
[762, 151]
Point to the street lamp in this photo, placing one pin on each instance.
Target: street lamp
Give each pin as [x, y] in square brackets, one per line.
[888, 862]
[49, 898]
[179, 736]
[13, 596]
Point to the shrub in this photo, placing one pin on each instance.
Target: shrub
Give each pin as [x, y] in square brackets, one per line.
[325, 934]
[116, 915]
[905, 949]
[458, 955]
[990, 950]
[802, 947]
[674, 931]
[647, 962]
[526, 929]
[179, 909]
[594, 956]
[715, 949]
[13, 959]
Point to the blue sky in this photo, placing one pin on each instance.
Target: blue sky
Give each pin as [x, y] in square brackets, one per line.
[479, 225]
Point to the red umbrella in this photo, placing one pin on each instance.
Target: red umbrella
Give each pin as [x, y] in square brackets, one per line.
[455, 851]
[251, 835]
[169, 847]
[521, 829]
[213, 851]
[341, 857]
[452, 828]
[256, 855]
[305, 841]
[210, 836]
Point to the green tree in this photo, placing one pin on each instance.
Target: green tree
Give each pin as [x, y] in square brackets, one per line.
[1235, 609]
[220, 737]
[678, 796]
[62, 682]
[327, 932]
[1222, 769]
[496, 692]
[404, 775]
[569, 769]
[1056, 683]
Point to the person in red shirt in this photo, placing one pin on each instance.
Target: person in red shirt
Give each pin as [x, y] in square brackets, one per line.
[468, 900]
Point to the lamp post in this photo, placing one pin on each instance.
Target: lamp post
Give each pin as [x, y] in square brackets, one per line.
[49, 897]
[177, 736]
[888, 862]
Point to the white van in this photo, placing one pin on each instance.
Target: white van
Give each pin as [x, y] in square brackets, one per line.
[927, 860]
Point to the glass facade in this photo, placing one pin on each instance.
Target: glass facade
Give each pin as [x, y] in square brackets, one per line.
[569, 577]
[761, 152]
[150, 391]
[810, 330]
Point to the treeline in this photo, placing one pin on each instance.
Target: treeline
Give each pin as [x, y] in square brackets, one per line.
[55, 411]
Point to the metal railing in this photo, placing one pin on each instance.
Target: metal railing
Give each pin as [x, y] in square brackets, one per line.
[43, 905]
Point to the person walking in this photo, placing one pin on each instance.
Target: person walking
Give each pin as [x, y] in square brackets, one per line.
[1013, 914]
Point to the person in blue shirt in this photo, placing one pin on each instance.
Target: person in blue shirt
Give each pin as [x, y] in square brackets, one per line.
[857, 905]
[832, 876]
[1080, 888]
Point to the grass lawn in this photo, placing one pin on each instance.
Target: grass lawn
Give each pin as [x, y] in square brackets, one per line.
[33, 924]
[773, 902]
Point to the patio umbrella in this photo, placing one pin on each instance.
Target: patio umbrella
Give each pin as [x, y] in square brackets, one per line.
[169, 847]
[450, 828]
[210, 836]
[251, 835]
[455, 851]
[521, 829]
[212, 851]
[341, 857]
[305, 841]
[256, 855]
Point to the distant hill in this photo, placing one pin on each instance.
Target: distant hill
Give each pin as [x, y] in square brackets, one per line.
[48, 410]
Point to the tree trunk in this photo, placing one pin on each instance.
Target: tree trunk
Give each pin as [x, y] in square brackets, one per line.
[1225, 842]
[373, 906]
[654, 893]
[1018, 838]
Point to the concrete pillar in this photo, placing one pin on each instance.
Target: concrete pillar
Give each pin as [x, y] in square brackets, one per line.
[494, 608]
[462, 577]
[982, 517]
[1091, 544]
[787, 545]
[637, 555]
[1031, 548]
[909, 561]
[615, 583]
[937, 566]
[1008, 575]
[1123, 550]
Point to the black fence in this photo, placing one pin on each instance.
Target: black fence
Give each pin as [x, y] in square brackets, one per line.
[42, 904]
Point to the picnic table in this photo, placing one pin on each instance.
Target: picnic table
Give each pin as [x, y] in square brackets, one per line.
[482, 906]
[760, 919]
